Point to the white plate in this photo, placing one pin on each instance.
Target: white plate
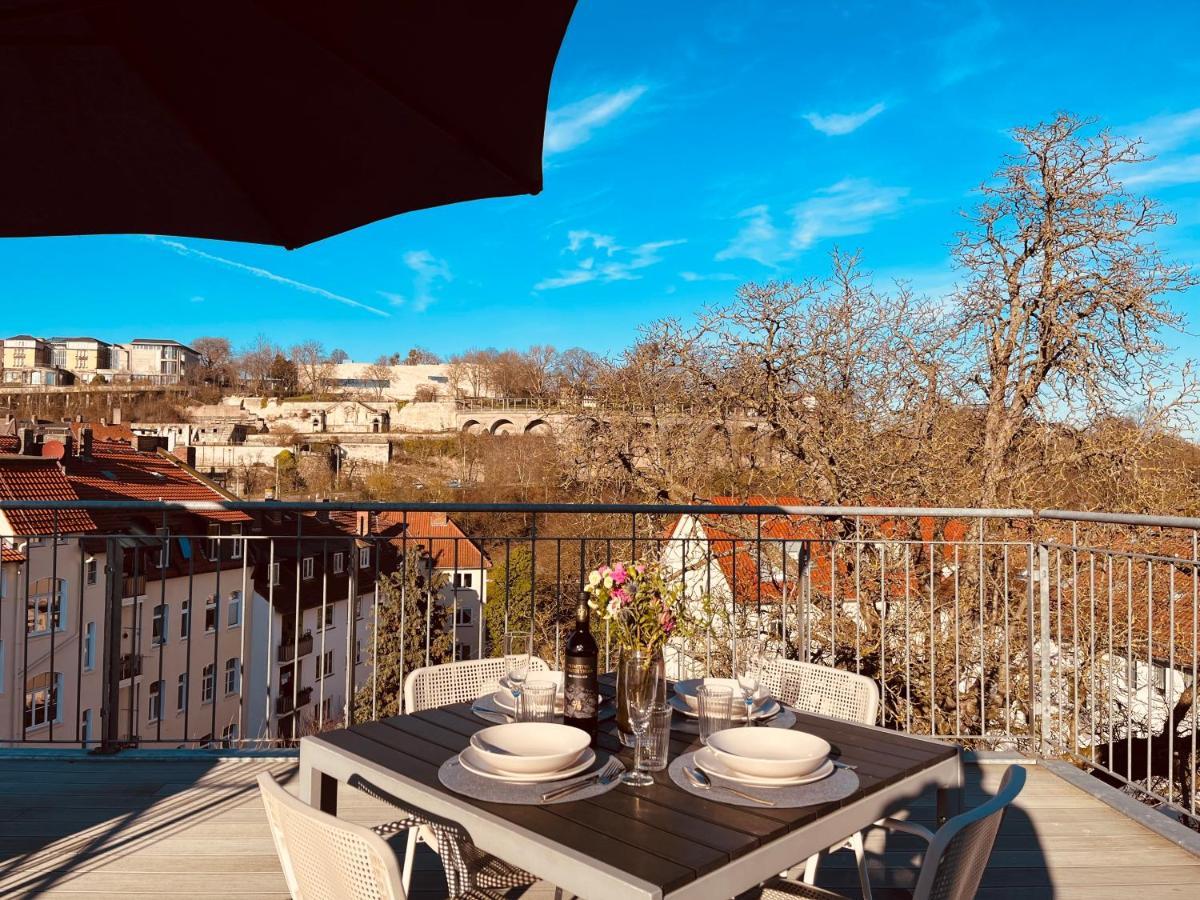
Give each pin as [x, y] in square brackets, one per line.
[764, 709]
[770, 752]
[707, 762]
[687, 688]
[472, 761]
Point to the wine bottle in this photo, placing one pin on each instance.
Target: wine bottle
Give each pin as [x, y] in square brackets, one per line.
[579, 684]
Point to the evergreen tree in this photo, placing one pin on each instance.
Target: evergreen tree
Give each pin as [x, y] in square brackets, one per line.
[408, 606]
[510, 587]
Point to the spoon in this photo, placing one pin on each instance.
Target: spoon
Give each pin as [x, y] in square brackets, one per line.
[702, 781]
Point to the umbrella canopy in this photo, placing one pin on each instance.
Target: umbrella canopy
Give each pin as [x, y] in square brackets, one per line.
[272, 121]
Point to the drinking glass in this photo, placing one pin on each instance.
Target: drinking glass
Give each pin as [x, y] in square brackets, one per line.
[537, 701]
[658, 738]
[518, 647]
[642, 674]
[750, 676]
[715, 706]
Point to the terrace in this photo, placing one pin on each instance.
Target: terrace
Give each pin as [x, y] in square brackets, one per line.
[1065, 641]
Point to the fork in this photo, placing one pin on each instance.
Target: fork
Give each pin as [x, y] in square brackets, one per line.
[610, 771]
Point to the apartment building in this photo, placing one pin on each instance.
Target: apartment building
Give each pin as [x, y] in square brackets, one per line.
[320, 572]
[161, 361]
[85, 357]
[29, 360]
[156, 604]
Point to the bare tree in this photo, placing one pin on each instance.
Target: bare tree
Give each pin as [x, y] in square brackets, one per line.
[379, 373]
[314, 368]
[216, 359]
[254, 363]
[419, 356]
[1065, 292]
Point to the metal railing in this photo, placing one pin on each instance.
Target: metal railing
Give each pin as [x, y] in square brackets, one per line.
[1054, 633]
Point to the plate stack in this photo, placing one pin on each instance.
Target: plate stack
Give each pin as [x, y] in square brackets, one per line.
[528, 752]
[765, 706]
[766, 757]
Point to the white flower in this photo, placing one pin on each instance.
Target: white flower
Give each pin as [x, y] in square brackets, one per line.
[608, 582]
[594, 579]
[614, 607]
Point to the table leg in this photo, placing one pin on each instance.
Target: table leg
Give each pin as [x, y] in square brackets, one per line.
[950, 797]
[317, 789]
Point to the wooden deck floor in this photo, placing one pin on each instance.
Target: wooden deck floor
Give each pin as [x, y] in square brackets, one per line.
[189, 827]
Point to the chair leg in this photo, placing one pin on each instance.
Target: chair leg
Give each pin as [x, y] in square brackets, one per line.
[810, 869]
[860, 856]
[410, 851]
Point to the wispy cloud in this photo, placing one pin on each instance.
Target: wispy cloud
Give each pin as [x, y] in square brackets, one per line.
[711, 276]
[1166, 132]
[1183, 170]
[571, 125]
[259, 272]
[967, 52]
[196, 299]
[428, 272]
[843, 123]
[851, 206]
[600, 258]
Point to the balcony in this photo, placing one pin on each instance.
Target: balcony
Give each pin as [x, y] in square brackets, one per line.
[1067, 639]
[288, 647]
[284, 703]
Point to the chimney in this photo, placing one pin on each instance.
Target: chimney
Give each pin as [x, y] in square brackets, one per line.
[363, 523]
[29, 442]
[85, 441]
[68, 446]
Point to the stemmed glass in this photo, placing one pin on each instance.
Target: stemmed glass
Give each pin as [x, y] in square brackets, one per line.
[750, 675]
[518, 647]
[641, 673]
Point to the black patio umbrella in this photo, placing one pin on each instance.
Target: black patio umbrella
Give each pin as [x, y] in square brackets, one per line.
[272, 121]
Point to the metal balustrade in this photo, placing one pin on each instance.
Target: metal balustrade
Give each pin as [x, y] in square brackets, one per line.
[1062, 634]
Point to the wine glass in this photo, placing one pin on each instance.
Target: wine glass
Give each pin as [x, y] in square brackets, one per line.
[518, 647]
[750, 676]
[641, 673]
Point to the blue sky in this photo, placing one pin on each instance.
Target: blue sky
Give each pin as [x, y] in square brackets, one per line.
[690, 146]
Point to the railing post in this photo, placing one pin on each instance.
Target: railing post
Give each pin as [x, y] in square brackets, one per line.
[110, 699]
[1043, 708]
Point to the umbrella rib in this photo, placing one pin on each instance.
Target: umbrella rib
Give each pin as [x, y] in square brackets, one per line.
[455, 134]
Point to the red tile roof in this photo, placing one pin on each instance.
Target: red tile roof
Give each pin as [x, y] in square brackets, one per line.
[35, 478]
[8, 554]
[10, 443]
[439, 533]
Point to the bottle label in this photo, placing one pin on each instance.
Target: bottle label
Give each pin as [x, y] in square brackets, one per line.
[579, 690]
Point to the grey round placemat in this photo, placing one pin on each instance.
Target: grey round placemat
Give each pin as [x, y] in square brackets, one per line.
[485, 707]
[841, 784]
[785, 718]
[456, 778]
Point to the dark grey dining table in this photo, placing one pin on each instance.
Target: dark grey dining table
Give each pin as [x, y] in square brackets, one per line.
[645, 843]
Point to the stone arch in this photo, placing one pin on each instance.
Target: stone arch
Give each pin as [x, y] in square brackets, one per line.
[538, 427]
[472, 426]
[504, 426]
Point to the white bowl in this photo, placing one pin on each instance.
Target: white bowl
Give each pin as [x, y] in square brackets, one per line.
[686, 691]
[769, 752]
[530, 748]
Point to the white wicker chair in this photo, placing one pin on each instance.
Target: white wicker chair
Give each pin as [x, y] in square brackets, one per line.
[956, 858]
[456, 682]
[428, 688]
[324, 858]
[827, 692]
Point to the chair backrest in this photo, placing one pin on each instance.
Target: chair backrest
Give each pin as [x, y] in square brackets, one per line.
[823, 690]
[325, 858]
[959, 852]
[456, 682]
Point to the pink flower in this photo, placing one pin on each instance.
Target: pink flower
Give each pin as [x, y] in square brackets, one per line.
[640, 568]
[622, 595]
[619, 575]
[667, 621]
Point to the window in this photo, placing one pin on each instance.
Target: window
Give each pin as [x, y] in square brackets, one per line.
[275, 573]
[358, 657]
[154, 706]
[325, 665]
[230, 733]
[358, 607]
[158, 626]
[306, 568]
[462, 650]
[185, 620]
[89, 647]
[364, 557]
[233, 617]
[339, 563]
[47, 598]
[85, 726]
[326, 709]
[90, 572]
[210, 613]
[463, 579]
[238, 544]
[41, 700]
[164, 550]
[181, 693]
[207, 685]
[214, 542]
[325, 617]
[233, 676]
[462, 616]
